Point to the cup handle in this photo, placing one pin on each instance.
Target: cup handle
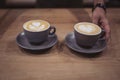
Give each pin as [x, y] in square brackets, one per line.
[103, 33]
[102, 36]
[52, 30]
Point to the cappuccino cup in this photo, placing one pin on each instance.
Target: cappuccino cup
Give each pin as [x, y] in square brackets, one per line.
[87, 34]
[37, 31]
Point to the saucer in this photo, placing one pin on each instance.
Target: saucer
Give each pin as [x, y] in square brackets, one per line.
[23, 42]
[71, 43]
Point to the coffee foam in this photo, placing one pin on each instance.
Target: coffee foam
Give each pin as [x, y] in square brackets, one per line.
[36, 25]
[87, 28]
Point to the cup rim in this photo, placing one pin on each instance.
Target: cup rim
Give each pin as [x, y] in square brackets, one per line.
[24, 27]
[87, 23]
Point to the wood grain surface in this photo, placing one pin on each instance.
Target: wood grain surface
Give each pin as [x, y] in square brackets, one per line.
[58, 63]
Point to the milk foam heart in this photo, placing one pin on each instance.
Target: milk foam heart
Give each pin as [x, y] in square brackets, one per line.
[32, 27]
[41, 27]
[36, 25]
[87, 28]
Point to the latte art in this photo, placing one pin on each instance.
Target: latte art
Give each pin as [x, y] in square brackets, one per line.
[36, 25]
[87, 28]
[36, 28]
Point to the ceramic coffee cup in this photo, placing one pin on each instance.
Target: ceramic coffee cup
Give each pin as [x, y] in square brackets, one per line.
[37, 31]
[87, 34]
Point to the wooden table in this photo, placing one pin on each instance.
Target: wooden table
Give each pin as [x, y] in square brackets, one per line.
[59, 63]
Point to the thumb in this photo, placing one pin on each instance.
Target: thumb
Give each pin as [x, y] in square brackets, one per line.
[95, 20]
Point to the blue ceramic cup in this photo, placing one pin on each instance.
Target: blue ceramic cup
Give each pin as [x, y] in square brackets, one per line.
[37, 31]
[87, 34]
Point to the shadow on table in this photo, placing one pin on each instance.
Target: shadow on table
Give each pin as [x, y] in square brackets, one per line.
[60, 46]
[86, 55]
[35, 52]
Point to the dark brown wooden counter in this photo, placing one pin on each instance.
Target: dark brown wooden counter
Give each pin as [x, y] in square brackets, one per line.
[59, 63]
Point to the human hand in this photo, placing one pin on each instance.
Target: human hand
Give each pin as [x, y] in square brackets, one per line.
[99, 18]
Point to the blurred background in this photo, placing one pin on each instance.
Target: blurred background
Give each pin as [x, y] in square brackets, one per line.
[53, 3]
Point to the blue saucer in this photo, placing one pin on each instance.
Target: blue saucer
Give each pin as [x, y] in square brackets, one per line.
[23, 42]
[71, 43]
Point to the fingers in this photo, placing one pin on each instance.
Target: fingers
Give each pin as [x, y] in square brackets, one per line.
[99, 18]
[106, 27]
[107, 30]
[103, 23]
[95, 20]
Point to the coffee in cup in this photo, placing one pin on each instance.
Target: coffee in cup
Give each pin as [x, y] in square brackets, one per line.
[37, 31]
[86, 34]
[36, 25]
